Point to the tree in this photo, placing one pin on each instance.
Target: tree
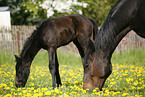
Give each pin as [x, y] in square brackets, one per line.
[30, 12]
[98, 9]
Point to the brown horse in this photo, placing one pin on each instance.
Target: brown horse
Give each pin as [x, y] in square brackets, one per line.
[125, 16]
[50, 35]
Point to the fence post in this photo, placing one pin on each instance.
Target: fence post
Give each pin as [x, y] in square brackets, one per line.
[18, 42]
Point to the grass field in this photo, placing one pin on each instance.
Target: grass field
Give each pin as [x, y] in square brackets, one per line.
[127, 78]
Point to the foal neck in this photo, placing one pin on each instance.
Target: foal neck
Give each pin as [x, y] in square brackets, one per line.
[30, 49]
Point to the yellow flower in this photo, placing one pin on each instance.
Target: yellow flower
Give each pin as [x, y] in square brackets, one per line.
[57, 91]
[36, 95]
[48, 93]
[137, 95]
[106, 91]
[66, 95]
[29, 95]
[135, 83]
[8, 95]
[125, 74]
[125, 94]
[7, 88]
[126, 71]
[84, 91]
[15, 93]
[20, 94]
[13, 89]
[73, 92]
[76, 81]
[32, 88]
[127, 80]
[60, 95]
[24, 91]
[44, 89]
[114, 93]
[4, 85]
[113, 82]
[11, 84]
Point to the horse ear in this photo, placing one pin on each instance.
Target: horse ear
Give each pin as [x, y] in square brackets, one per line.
[17, 58]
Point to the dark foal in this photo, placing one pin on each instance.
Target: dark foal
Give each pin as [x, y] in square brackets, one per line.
[50, 35]
[125, 16]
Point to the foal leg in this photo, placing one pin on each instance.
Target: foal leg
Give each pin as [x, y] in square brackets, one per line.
[58, 80]
[52, 65]
[79, 47]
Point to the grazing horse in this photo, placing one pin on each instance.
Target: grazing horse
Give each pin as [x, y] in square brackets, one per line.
[125, 16]
[50, 35]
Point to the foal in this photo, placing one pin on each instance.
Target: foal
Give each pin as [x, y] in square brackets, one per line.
[50, 35]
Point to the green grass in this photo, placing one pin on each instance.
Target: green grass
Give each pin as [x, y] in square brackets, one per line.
[63, 58]
[6, 57]
[127, 78]
[131, 57]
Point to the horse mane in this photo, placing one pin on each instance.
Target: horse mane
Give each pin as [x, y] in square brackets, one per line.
[106, 34]
[117, 6]
[105, 39]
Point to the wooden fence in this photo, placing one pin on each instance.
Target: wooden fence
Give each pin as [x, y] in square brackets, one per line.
[13, 40]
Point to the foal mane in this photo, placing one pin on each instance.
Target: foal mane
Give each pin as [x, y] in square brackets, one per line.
[28, 42]
[30, 39]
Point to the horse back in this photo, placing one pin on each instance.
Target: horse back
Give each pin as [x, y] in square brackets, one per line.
[138, 23]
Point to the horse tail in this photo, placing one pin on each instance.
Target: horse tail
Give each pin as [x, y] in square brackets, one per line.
[95, 28]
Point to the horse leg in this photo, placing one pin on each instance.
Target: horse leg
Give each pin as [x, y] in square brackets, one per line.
[58, 80]
[52, 65]
[79, 47]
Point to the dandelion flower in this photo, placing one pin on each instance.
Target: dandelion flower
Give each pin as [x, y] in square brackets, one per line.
[125, 94]
[48, 93]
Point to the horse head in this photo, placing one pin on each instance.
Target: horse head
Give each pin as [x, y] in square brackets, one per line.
[97, 68]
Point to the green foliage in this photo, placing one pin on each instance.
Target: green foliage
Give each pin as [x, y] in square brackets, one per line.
[28, 12]
[98, 9]
[131, 57]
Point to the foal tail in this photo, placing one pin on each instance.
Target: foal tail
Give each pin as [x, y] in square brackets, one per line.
[95, 28]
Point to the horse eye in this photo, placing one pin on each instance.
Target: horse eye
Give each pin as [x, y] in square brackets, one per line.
[87, 65]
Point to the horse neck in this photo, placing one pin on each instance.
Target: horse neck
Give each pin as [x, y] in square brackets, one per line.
[109, 37]
[29, 52]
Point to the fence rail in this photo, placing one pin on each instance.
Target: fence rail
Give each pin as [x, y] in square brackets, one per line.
[13, 40]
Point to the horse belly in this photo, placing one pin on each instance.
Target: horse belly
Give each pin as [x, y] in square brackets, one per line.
[139, 21]
[139, 27]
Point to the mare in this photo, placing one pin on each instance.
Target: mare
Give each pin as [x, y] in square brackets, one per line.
[50, 35]
[125, 16]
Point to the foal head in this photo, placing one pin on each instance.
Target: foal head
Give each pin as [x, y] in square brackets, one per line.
[22, 72]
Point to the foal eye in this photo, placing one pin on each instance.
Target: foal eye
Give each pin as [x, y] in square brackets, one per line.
[19, 71]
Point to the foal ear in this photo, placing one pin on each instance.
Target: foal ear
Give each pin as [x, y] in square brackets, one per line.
[17, 58]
